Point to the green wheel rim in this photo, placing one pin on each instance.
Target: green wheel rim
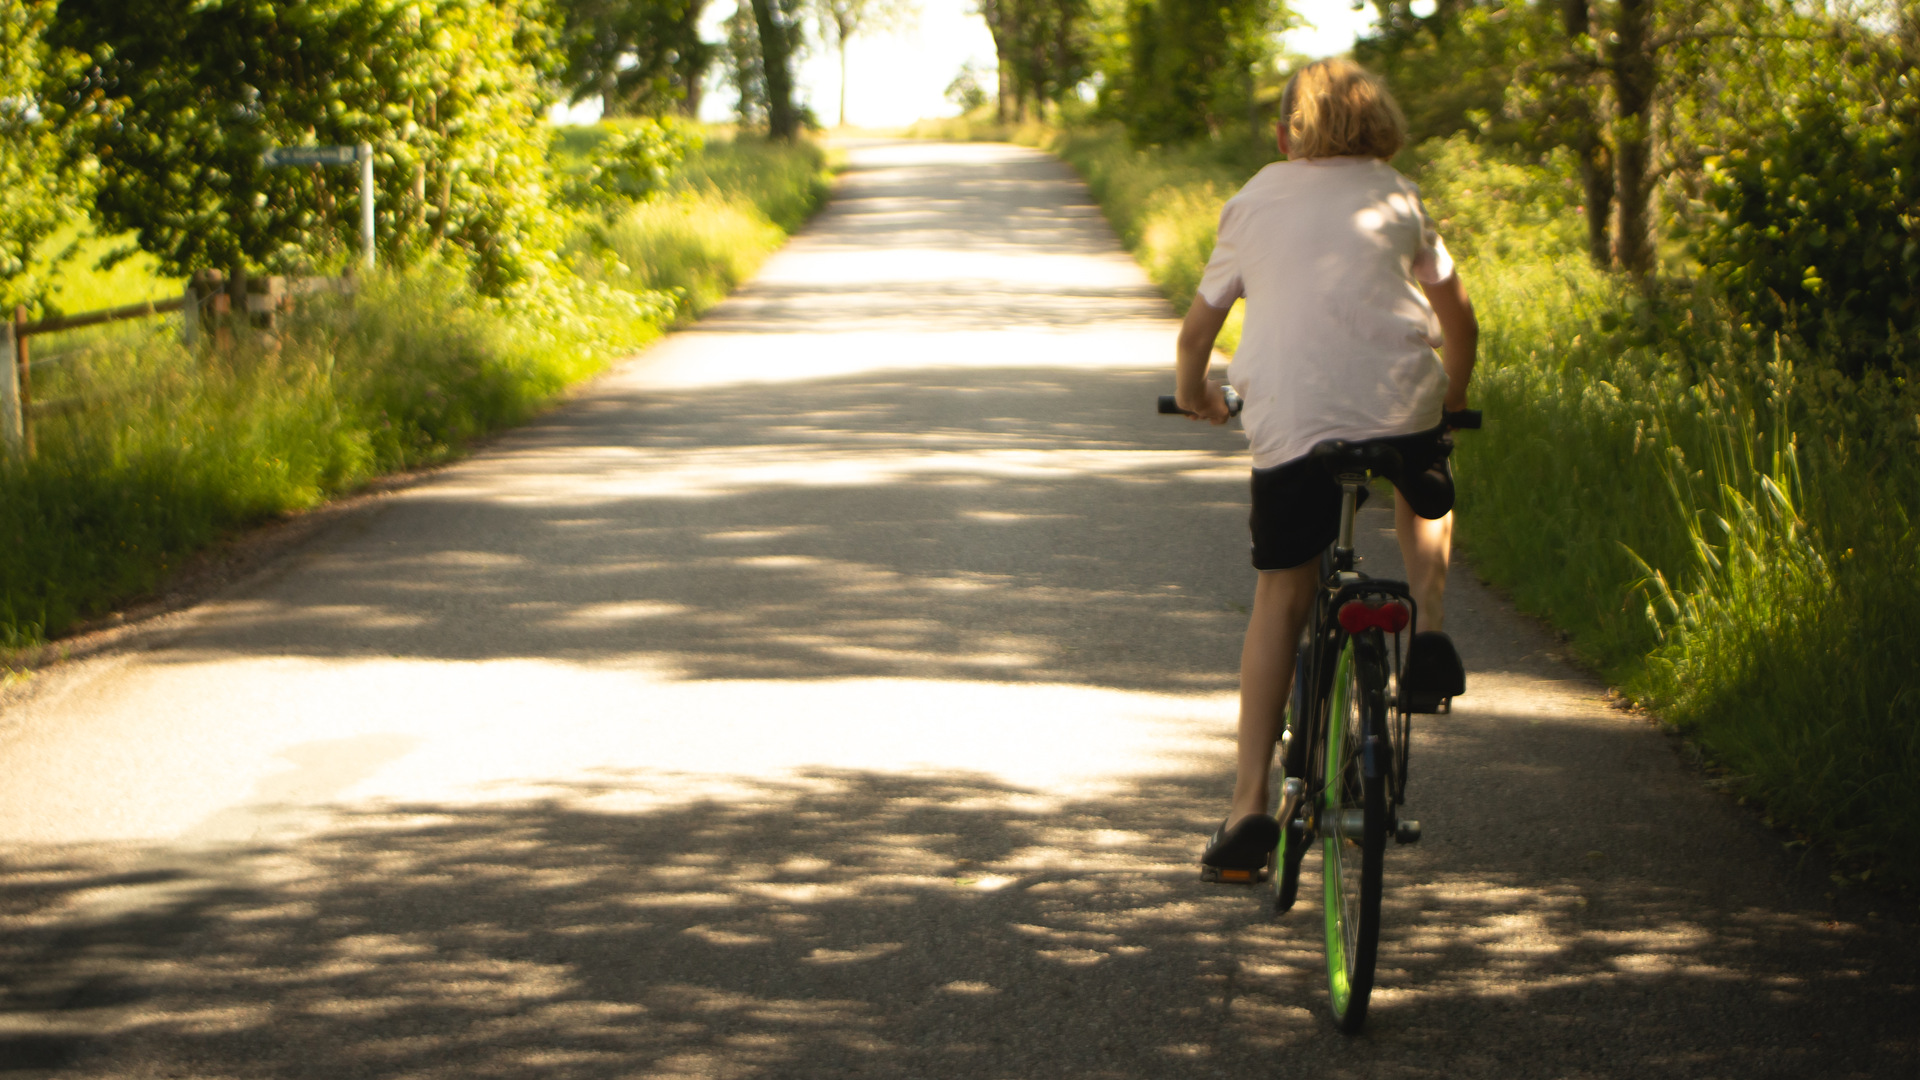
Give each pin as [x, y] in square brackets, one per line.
[1338, 986]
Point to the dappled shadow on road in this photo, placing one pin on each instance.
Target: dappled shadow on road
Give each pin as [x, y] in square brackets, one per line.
[917, 195]
[772, 307]
[1014, 524]
[856, 923]
[1024, 524]
[918, 240]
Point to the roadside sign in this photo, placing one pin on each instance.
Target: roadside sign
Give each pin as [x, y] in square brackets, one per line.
[337, 155]
[312, 155]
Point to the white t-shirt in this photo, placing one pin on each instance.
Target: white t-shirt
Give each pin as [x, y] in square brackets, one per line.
[1339, 339]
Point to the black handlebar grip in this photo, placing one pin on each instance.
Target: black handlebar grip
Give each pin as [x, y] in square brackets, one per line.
[1465, 419]
[1234, 402]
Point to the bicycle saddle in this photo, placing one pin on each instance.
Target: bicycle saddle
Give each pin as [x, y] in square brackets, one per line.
[1343, 456]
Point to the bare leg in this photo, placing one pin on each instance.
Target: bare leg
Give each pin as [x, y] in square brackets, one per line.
[1426, 546]
[1281, 603]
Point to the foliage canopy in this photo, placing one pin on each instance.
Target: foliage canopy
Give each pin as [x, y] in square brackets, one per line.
[40, 186]
[178, 100]
[642, 57]
[1816, 222]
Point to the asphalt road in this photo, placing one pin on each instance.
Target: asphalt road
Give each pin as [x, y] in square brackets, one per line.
[844, 688]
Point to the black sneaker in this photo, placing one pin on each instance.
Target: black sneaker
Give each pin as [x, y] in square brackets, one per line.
[1241, 854]
[1432, 675]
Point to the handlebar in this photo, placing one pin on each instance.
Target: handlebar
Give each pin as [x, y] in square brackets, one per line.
[1459, 420]
[1172, 407]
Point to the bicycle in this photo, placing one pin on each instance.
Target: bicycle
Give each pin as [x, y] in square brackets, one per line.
[1343, 776]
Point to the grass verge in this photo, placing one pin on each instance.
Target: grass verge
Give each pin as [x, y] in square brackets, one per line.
[726, 210]
[179, 445]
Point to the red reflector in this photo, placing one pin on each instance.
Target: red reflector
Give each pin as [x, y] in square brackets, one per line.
[1356, 617]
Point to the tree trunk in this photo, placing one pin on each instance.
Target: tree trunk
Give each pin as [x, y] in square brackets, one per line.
[1589, 147]
[610, 103]
[843, 78]
[690, 105]
[775, 59]
[1634, 80]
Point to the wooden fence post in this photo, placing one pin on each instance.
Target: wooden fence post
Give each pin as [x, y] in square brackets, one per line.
[22, 364]
[266, 298]
[207, 309]
[11, 415]
[190, 313]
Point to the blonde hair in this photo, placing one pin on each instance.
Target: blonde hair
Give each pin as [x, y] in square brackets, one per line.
[1336, 108]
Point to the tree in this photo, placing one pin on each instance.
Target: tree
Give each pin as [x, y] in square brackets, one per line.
[1193, 66]
[751, 67]
[642, 57]
[1815, 222]
[39, 183]
[965, 89]
[179, 99]
[1450, 69]
[1583, 135]
[741, 54]
[842, 19]
[778, 31]
[1527, 76]
[1043, 49]
[1584, 74]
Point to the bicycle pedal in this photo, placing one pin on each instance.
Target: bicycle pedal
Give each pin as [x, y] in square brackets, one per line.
[1406, 832]
[1222, 875]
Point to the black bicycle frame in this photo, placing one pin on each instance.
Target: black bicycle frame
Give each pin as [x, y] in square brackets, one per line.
[1326, 639]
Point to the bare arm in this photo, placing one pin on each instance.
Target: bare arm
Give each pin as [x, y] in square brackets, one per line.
[1460, 334]
[1195, 352]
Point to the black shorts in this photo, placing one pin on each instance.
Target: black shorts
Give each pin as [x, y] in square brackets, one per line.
[1296, 506]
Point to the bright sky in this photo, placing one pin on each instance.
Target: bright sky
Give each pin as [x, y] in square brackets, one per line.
[895, 79]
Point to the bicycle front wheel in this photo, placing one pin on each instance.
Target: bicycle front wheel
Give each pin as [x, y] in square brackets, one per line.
[1353, 828]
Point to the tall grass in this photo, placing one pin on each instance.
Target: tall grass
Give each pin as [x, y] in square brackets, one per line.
[1721, 521]
[728, 208]
[179, 445]
[1704, 530]
[1723, 525]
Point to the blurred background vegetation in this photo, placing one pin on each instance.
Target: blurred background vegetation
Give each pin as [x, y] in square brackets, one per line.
[1692, 228]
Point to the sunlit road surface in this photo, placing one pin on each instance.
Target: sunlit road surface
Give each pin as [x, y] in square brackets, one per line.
[844, 687]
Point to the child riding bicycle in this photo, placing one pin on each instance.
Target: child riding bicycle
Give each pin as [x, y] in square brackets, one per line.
[1349, 293]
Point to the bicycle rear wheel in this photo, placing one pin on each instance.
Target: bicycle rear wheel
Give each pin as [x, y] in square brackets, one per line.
[1353, 828]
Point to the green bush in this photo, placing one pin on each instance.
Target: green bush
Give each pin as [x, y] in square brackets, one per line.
[1816, 229]
[177, 102]
[39, 187]
[725, 211]
[616, 163]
